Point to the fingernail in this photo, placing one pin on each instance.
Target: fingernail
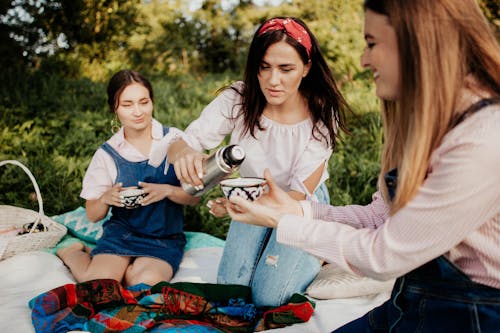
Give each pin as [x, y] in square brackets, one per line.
[200, 175]
[209, 204]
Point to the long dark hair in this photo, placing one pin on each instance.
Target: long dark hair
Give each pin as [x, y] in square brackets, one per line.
[325, 101]
[120, 80]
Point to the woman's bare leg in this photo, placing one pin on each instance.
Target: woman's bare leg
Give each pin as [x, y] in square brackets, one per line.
[85, 268]
[148, 270]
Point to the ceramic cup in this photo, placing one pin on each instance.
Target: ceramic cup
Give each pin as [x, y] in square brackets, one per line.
[249, 188]
[132, 198]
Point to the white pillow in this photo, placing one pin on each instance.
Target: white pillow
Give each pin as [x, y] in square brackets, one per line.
[332, 282]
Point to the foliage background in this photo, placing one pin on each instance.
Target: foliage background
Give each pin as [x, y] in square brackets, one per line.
[57, 56]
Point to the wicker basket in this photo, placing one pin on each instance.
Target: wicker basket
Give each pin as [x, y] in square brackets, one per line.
[19, 217]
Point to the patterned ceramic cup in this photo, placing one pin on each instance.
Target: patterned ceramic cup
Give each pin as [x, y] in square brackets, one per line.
[249, 188]
[132, 198]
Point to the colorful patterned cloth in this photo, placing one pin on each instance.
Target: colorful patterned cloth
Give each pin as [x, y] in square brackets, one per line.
[105, 306]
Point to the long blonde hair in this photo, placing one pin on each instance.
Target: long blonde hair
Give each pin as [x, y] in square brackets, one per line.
[440, 42]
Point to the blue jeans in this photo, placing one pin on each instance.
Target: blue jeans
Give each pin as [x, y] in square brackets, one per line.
[436, 297]
[252, 257]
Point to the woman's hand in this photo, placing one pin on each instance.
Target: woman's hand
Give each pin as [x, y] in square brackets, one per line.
[217, 207]
[97, 209]
[188, 163]
[155, 192]
[112, 196]
[266, 210]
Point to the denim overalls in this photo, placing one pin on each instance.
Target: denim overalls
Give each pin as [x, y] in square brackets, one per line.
[155, 230]
[436, 297]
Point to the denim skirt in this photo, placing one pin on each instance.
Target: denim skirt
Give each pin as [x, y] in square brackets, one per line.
[120, 241]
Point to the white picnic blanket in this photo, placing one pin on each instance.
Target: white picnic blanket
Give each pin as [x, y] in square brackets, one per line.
[27, 275]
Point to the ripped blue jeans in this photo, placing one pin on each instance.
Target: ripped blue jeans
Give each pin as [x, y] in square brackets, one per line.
[252, 257]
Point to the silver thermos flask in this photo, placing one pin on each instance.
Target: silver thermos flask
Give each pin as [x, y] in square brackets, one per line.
[219, 165]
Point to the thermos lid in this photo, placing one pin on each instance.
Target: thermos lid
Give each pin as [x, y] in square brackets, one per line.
[234, 155]
[237, 153]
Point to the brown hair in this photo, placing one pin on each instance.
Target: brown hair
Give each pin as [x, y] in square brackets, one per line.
[440, 42]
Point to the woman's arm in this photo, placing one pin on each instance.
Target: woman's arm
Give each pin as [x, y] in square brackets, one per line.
[98, 189]
[97, 209]
[310, 184]
[215, 122]
[188, 162]
[454, 210]
[311, 169]
[370, 216]
[157, 192]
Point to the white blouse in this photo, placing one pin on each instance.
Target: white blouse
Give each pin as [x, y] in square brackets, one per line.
[289, 150]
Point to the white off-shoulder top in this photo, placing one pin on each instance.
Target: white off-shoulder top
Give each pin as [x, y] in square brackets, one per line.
[289, 150]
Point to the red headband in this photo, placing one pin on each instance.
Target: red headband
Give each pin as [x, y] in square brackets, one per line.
[292, 29]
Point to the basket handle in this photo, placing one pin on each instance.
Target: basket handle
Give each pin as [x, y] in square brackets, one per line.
[35, 185]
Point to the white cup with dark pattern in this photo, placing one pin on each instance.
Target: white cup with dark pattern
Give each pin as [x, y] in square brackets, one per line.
[249, 188]
[132, 197]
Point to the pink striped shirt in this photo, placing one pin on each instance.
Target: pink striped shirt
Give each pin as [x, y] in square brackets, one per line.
[455, 213]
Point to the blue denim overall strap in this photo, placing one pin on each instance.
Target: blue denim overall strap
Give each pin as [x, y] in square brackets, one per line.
[435, 297]
[473, 109]
[160, 219]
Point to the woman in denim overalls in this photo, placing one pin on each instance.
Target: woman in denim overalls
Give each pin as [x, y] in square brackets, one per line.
[143, 244]
[436, 66]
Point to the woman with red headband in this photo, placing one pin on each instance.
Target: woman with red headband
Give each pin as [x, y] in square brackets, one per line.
[286, 115]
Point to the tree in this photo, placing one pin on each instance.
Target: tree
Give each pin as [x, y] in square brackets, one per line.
[88, 27]
[10, 50]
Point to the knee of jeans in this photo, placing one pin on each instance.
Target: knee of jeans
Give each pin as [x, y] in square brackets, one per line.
[273, 292]
[231, 273]
[267, 297]
[276, 280]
